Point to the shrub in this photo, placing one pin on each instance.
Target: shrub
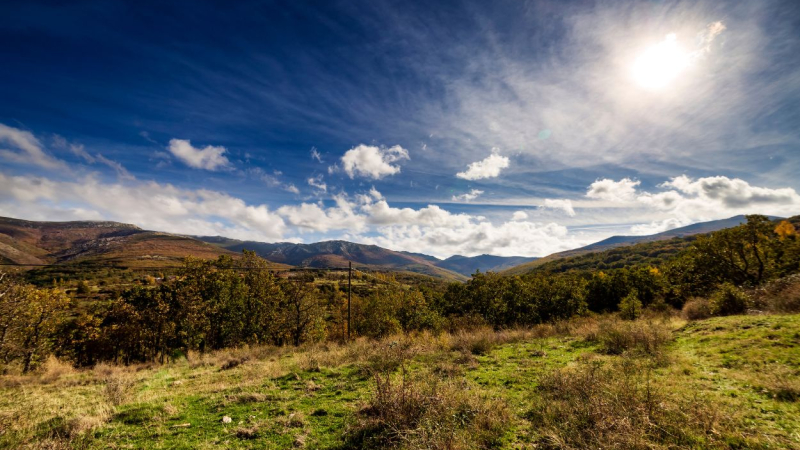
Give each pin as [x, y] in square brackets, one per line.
[630, 308]
[617, 405]
[617, 337]
[426, 412]
[697, 309]
[728, 300]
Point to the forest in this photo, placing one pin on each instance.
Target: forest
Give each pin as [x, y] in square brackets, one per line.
[234, 302]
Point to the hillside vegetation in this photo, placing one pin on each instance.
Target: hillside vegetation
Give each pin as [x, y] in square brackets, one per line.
[722, 383]
[227, 354]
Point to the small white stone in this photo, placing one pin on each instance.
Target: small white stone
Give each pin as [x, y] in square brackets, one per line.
[226, 419]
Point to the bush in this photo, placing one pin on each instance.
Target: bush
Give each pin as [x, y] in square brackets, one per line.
[618, 406]
[619, 337]
[697, 309]
[728, 300]
[426, 412]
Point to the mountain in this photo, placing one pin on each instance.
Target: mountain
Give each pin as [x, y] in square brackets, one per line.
[338, 254]
[467, 265]
[624, 241]
[35, 243]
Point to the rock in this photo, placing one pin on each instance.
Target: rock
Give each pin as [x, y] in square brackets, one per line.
[226, 419]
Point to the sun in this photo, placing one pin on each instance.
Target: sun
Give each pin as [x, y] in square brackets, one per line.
[660, 64]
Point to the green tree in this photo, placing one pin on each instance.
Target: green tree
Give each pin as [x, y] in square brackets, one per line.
[630, 308]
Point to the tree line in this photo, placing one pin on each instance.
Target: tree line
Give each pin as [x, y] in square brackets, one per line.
[231, 302]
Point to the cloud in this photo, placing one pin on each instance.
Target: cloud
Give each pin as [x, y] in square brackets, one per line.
[122, 172]
[208, 158]
[28, 149]
[272, 180]
[79, 151]
[314, 217]
[686, 200]
[439, 232]
[487, 168]
[318, 183]
[467, 197]
[372, 162]
[151, 205]
[519, 215]
[315, 155]
[561, 204]
[623, 190]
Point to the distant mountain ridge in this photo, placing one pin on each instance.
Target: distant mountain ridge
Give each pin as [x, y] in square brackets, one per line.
[36, 243]
[337, 254]
[622, 241]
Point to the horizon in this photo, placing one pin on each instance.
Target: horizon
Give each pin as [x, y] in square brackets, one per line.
[510, 129]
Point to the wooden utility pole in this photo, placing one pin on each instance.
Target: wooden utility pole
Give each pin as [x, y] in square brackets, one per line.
[349, 292]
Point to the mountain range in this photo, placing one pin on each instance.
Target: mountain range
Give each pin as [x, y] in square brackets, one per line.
[24, 242]
[623, 241]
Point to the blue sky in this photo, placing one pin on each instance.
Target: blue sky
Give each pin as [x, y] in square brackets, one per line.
[468, 127]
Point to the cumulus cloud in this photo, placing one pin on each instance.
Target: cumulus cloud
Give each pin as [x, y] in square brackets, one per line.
[26, 148]
[208, 158]
[151, 205]
[686, 200]
[370, 161]
[623, 190]
[487, 168]
[560, 204]
[468, 196]
[519, 215]
[318, 183]
[430, 229]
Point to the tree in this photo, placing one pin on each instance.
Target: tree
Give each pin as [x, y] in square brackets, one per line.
[28, 320]
[630, 308]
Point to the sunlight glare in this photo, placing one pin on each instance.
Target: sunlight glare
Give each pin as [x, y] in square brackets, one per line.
[660, 64]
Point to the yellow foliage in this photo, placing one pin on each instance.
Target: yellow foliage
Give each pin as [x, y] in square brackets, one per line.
[785, 229]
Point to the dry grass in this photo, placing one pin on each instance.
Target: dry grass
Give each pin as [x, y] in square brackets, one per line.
[617, 337]
[617, 405]
[426, 412]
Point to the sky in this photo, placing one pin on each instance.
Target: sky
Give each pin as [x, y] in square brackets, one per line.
[508, 127]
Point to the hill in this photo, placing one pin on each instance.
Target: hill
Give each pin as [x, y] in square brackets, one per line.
[36, 243]
[337, 254]
[467, 265]
[614, 242]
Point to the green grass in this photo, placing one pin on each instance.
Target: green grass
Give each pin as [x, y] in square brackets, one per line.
[744, 367]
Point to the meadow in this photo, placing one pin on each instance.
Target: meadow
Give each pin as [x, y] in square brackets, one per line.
[592, 382]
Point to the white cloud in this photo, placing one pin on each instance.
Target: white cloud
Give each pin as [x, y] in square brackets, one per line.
[487, 168]
[623, 190]
[314, 217]
[372, 162]
[467, 197]
[208, 158]
[291, 188]
[317, 182]
[658, 226]
[519, 215]
[27, 149]
[561, 204]
[688, 200]
[150, 205]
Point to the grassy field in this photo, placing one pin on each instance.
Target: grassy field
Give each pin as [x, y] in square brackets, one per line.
[729, 382]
